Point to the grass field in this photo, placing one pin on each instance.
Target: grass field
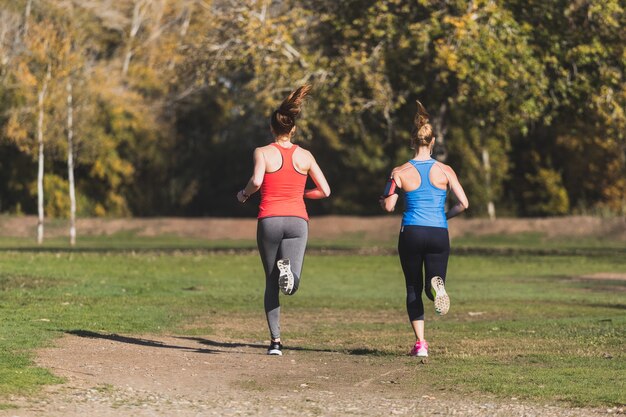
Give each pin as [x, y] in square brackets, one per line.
[523, 323]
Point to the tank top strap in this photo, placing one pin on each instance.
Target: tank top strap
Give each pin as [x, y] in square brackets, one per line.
[286, 154]
[423, 168]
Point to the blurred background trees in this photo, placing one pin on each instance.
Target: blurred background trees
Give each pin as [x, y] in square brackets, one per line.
[170, 97]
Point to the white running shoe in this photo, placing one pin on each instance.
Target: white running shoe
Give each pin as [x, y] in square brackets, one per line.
[442, 301]
[276, 348]
[285, 277]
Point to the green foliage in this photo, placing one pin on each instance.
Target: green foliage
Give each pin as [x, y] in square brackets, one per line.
[55, 188]
[170, 100]
[548, 194]
[582, 132]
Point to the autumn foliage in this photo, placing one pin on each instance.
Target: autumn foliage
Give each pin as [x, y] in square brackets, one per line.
[527, 99]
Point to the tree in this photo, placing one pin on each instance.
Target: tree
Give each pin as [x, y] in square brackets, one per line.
[581, 132]
[161, 98]
[32, 70]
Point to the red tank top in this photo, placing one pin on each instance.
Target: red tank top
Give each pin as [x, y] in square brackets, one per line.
[282, 191]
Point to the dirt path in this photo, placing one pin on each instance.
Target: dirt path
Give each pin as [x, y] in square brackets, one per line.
[110, 375]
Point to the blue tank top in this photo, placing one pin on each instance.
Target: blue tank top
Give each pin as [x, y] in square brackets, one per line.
[425, 205]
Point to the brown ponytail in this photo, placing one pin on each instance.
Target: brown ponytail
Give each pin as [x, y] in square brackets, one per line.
[284, 118]
[422, 130]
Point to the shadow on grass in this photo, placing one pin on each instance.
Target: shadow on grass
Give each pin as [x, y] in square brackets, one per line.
[207, 342]
[613, 306]
[214, 343]
[366, 352]
[361, 351]
[135, 341]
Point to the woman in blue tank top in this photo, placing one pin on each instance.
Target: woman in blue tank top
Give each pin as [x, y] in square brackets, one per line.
[424, 245]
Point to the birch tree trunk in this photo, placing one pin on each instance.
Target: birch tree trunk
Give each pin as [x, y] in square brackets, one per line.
[27, 10]
[135, 24]
[184, 28]
[491, 208]
[156, 30]
[70, 160]
[21, 33]
[40, 155]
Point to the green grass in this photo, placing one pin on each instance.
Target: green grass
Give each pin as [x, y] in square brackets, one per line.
[125, 241]
[520, 326]
[541, 242]
[130, 240]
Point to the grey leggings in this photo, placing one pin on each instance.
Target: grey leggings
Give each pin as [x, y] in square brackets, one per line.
[278, 238]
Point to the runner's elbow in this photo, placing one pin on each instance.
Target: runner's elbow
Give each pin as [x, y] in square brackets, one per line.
[389, 206]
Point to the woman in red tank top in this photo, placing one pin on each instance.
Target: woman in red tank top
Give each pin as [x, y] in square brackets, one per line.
[280, 172]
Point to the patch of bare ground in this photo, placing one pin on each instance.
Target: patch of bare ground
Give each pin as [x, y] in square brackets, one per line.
[603, 276]
[113, 375]
[322, 227]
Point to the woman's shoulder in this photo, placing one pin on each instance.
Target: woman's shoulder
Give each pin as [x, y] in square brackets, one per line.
[269, 149]
[446, 168]
[265, 147]
[401, 168]
[303, 151]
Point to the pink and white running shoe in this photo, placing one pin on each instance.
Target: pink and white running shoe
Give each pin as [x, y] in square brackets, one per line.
[420, 349]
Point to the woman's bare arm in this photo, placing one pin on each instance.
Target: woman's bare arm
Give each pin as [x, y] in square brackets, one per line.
[459, 193]
[322, 189]
[256, 180]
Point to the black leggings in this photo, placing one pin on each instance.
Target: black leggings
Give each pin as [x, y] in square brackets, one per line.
[422, 247]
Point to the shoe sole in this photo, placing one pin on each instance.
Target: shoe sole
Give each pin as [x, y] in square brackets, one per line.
[285, 276]
[275, 352]
[442, 301]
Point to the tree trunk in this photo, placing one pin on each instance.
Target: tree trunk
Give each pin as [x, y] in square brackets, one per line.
[441, 129]
[70, 161]
[29, 5]
[186, 15]
[156, 31]
[135, 24]
[21, 33]
[40, 155]
[491, 208]
[184, 27]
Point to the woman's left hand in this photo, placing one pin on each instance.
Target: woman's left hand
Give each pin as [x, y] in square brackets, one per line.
[242, 197]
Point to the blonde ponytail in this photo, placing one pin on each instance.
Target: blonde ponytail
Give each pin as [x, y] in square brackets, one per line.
[422, 130]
